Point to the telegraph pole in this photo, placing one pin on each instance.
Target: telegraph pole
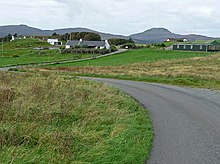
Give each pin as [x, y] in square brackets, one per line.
[2, 49]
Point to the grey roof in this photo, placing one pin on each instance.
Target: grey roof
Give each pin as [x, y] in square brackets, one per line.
[72, 42]
[93, 43]
[88, 43]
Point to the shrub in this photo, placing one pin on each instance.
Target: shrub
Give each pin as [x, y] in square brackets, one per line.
[118, 41]
[13, 69]
[85, 51]
[129, 46]
[113, 48]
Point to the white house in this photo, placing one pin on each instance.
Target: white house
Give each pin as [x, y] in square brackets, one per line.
[177, 40]
[12, 38]
[54, 42]
[185, 40]
[90, 44]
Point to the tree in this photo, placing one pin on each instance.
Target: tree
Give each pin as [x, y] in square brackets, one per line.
[129, 46]
[65, 37]
[92, 36]
[119, 41]
[9, 37]
[15, 35]
[131, 40]
[55, 34]
[89, 36]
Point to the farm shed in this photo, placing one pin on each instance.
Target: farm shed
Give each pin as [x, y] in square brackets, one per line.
[199, 45]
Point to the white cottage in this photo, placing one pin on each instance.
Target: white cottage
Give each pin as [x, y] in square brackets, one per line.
[90, 44]
[54, 42]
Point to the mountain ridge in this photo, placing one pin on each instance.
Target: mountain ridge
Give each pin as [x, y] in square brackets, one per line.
[153, 35]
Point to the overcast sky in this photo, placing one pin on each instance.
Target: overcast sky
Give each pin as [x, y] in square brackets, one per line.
[115, 16]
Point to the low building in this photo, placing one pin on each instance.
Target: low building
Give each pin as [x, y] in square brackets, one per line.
[205, 46]
[89, 44]
[54, 42]
[16, 38]
[72, 43]
[177, 40]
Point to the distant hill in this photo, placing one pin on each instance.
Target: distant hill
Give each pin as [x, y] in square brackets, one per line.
[156, 35]
[31, 31]
[79, 29]
[23, 30]
[153, 35]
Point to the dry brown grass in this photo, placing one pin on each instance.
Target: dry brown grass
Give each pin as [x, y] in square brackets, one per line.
[198, 67]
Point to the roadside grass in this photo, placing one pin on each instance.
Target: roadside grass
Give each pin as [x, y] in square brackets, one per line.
[20, 52]
[45, 118]
[196, 72]
[136, 56]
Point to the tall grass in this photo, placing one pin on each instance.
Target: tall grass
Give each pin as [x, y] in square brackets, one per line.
[197, 71]
[51, 119]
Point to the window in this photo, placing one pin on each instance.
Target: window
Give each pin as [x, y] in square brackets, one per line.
[200, 47]
[178, 46]
[191, 47]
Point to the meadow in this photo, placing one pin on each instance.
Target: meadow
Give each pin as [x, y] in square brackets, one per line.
[136, 56]
[195, 69]
[46, 118]
[21, 52]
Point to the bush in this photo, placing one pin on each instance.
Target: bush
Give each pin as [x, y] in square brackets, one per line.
[62, 47]
[85, 51]
[159, 45]
[89, 36]
[15, 56]
[118, 42]
[13, 69]
[113, 48]
[129, 46]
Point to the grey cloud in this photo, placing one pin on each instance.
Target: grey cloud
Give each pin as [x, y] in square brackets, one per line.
[122, 17]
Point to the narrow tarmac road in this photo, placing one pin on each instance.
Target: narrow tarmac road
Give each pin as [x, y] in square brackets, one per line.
[186, 121]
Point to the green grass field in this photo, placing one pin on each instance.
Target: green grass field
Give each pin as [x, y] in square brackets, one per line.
[195, 69]
[136, 56]
[53, 119]
[22, 51]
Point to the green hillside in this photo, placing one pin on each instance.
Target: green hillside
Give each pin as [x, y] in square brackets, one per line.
[22, 51]
[25, 43]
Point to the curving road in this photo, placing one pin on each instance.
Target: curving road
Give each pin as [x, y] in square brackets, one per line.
[186, 121]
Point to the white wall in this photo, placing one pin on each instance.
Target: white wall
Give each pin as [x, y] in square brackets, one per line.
[67, 46]
[52, 41]
[107, 45]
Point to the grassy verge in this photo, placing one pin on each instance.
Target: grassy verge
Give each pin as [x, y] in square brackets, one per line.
[52, 119]
[180, 81]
